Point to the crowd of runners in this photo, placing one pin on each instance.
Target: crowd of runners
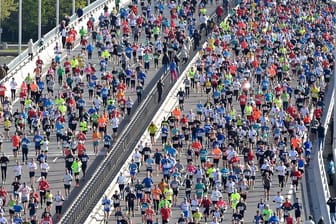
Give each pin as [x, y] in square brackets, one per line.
[77, 102]
[272, 57]
[262, 78]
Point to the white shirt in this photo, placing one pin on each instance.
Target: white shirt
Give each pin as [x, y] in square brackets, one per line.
[115, 122]
[25, 191]
[278, 200]
[59, 200]
[3, 220]
[230, 186]
[17, 170]
[215, 195]
[121, 180]
[44, 167]
[292, 154]
[137, 157]
[281, 170]
[32, 166]
[67, 178]
[13, 84]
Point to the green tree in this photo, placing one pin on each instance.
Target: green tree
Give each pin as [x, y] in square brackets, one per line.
[6, 8]
[30, 18]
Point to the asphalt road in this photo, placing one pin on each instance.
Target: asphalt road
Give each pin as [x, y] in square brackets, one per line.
[55, 155]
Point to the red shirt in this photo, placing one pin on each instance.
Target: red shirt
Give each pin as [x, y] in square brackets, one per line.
[165, 213]
[2, 90]
[206, 203]
[289, 220]
[16, 141]
[242, 100]
[296, 175]
[43, 185]
[258, 99]
[47, 220]
[292, 111]
[221, 204]
[81, 137]
[318, 113]
[3, 193]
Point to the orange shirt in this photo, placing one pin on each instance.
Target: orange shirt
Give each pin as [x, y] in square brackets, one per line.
[156, 193]
[162, 186]
[216, 153]
[295, 142]
[256, 114]
[16, 141]
[33, 87]
[120, 95]
[102, 121]
[306, 119]
[96, 136]
[177, 113]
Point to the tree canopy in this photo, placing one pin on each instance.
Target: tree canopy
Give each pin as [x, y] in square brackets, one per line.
[30, 17]
[6, 8]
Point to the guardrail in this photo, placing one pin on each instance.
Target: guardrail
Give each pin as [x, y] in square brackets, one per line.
[318, 182]
[53, 36]
[86, 200]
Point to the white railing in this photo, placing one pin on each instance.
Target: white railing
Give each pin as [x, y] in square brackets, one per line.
[318, 181]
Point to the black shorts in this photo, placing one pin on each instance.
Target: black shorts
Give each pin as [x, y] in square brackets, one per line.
[15, 149]
[102, 129]
[31, 174]
[58, 209]
[49, 203]
[121, 187]
[24, 199]
[67, 186]
[115, 130]
[175, 192]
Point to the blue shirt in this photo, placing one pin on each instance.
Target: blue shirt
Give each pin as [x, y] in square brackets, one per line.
[38, 139]
[133, 167]
[107, 140]
[25, 142]
[148, 182]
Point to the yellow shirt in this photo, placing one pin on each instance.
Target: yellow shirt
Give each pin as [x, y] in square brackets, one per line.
[168, 192]
[315, 92]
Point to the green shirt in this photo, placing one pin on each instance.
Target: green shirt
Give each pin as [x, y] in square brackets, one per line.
[199, 187]
[60, 72]
[76, 166]
[164, 202]
[83, 126]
